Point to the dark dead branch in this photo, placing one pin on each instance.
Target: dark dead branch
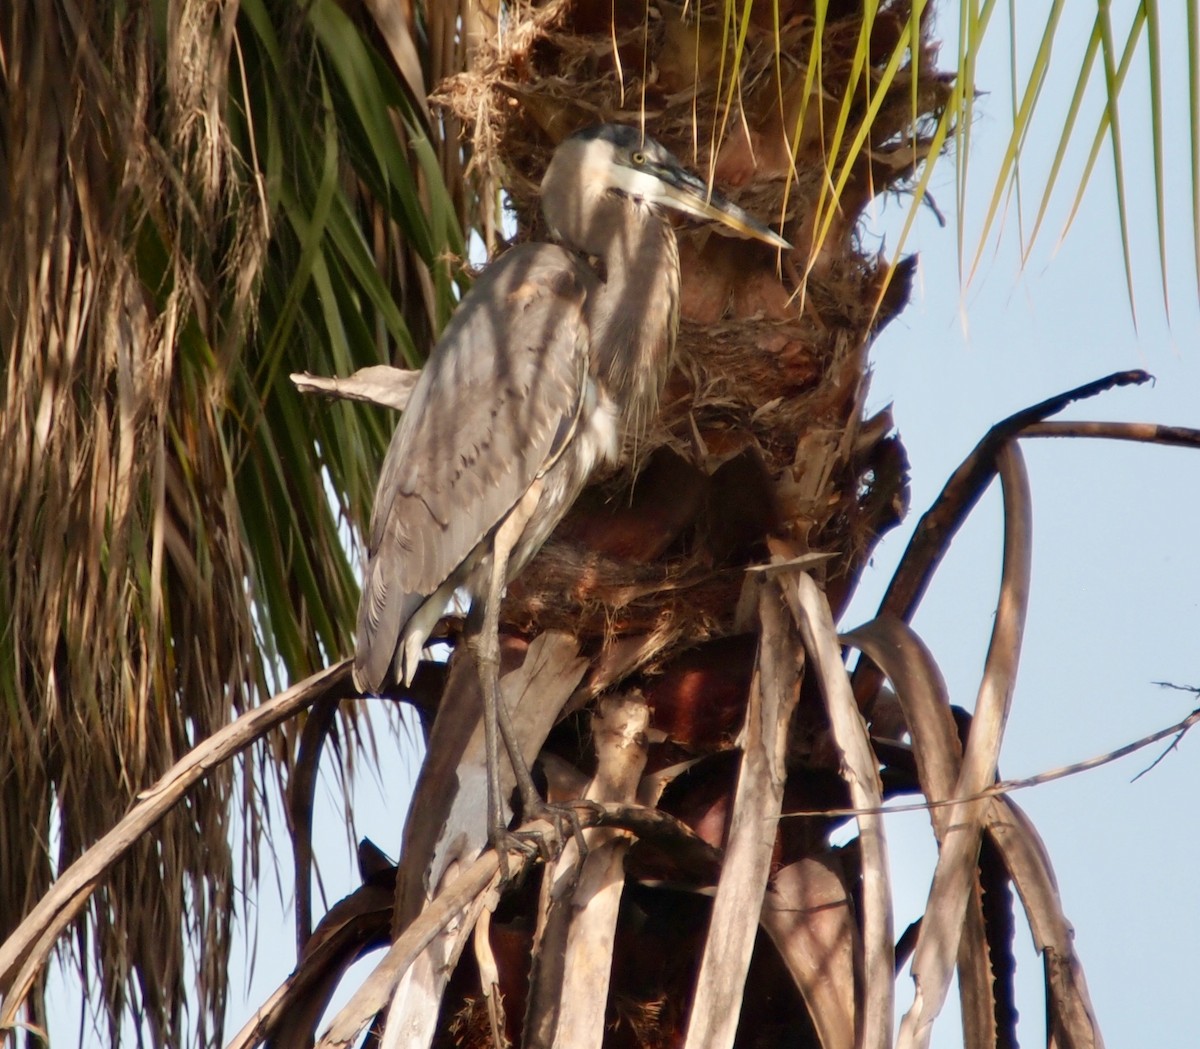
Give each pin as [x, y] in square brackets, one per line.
[1000, 934]
[937, 528]
[353, 926]
[302, 787]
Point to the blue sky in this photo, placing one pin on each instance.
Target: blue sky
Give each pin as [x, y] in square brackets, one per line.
[1116, 575]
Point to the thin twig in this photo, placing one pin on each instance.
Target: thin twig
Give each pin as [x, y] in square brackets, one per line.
[1007, 786]
[1147, 433]
[1187, 723]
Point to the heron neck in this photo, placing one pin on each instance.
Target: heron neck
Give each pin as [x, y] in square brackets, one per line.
[636, 316]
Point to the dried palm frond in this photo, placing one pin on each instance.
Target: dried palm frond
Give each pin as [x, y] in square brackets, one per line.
[197, 199]
[135, 244]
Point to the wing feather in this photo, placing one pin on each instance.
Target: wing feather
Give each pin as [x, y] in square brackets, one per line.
[490, 411]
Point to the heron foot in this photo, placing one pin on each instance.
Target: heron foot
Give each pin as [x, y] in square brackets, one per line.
[506, 842]
[562, 822]
[546, 830]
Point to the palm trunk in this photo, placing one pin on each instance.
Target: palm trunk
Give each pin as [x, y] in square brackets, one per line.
[761, 453]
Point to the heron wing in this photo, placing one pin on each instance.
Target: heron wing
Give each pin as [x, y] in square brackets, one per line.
[494, 405]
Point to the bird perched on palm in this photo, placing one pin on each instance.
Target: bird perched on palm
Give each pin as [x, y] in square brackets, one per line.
[554, 360]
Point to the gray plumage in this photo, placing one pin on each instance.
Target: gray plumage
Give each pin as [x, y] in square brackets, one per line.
[549, 365]
[506, 393]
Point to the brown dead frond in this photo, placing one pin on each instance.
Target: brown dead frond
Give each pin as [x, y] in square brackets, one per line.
[127, 634]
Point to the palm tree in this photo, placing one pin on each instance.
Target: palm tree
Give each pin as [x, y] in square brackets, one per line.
[761, 453]
[251, 190]
[212, 198]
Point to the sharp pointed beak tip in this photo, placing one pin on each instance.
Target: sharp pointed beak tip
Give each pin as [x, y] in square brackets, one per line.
[740, 221]
[775, 240]
[688, 194]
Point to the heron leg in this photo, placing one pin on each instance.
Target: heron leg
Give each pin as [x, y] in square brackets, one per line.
[487, 659]
[497, 721]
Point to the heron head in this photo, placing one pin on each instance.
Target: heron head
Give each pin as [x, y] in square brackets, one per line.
[615, 160]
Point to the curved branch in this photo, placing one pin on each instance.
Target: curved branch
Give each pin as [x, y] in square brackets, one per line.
[24, 953]
[1144, 433]
[941, 927]
[300, 795]
[941, 522]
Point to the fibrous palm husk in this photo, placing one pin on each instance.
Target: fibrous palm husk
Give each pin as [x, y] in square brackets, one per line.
[766, 358]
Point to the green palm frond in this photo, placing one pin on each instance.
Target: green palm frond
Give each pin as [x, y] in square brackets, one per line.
[214, 198]
[1126, 65]
[1118, 42]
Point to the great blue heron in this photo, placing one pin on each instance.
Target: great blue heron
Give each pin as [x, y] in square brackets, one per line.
[553, 359]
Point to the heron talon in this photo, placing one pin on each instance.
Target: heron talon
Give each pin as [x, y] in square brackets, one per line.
[505, 842]
[559, 817]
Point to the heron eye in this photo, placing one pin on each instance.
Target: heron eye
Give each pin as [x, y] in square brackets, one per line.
[638, 158]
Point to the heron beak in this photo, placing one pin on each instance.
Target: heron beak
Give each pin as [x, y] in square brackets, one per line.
[679, 189]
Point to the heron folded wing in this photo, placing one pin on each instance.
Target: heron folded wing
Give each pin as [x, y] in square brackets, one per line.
[382, 614]
[487, 415]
